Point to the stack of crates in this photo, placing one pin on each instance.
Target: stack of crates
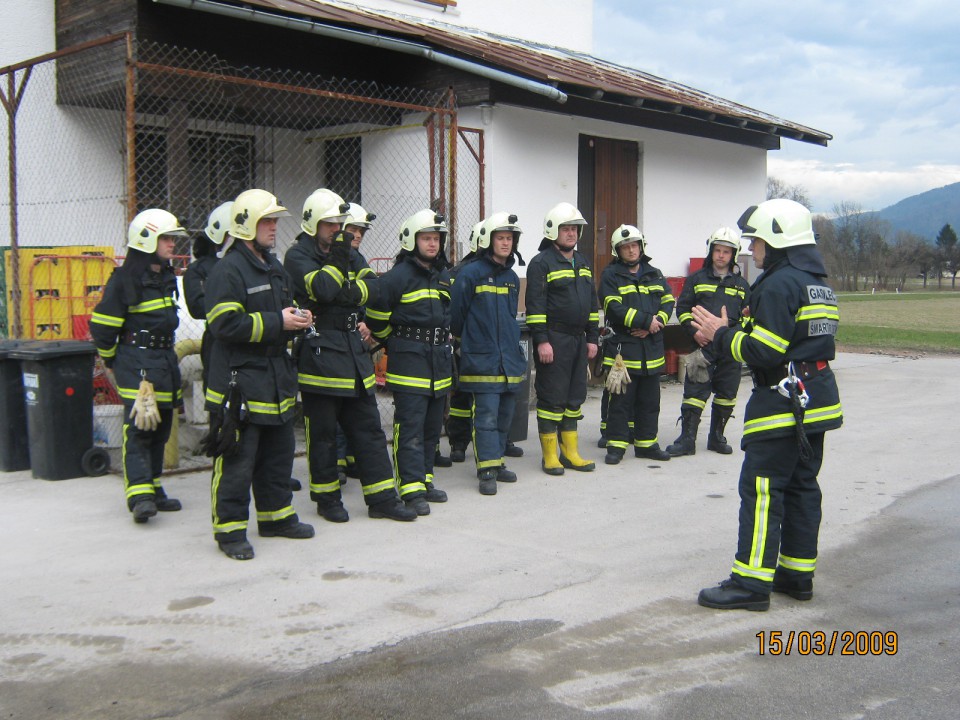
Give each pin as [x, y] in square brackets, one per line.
[59, 287]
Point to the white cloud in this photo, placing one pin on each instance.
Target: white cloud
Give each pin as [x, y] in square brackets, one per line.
[882, 77]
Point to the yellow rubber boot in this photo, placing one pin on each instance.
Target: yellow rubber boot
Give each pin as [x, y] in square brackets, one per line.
[551, 460]
[571, 455]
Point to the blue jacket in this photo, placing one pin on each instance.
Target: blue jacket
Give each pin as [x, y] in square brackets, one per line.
[483, 315]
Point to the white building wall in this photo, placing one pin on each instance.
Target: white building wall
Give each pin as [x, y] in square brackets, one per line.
[566, 24]
[29, 30]
[63, 152]
[688, 186]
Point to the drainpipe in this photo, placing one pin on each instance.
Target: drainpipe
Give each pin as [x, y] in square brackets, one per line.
[402, 46]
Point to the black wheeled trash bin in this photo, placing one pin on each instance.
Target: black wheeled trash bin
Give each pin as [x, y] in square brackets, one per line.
[521, 414]
[14, 448]
[58, 392]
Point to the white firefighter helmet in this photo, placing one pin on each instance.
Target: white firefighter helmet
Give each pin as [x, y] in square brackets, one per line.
[250, 207]
[323, 206]
[218, 224]
[148, 226]
[780, 223]
[359, 217]
[562, 214]
[498, 221]
[627, 234]
[423, 221]
[725, 237]
[475, 235]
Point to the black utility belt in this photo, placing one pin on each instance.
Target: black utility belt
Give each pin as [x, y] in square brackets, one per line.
[805, 370]
[428, 335]
[576, 330]
[347, 323]
[147, 339]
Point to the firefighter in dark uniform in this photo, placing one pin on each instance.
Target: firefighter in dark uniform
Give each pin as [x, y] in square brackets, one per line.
[336, 376]
[252, 317]
[637, 305]
[718, 284]
[412, 317]
[788, 343]
[205, 249]
[492, 366]
[133, 329]
[358, 222]
[459, 423]
[563, 319]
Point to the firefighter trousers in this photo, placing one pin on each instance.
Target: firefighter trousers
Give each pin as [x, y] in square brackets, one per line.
[417, 421]
[724, 383]
[561, 385]
[460, 420]
[143, 456]
[638, 409]
[360, 420]
[779, 512]
[263, 461]
[492, 418]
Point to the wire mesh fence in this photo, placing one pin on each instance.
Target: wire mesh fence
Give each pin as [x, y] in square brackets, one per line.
[96, 134]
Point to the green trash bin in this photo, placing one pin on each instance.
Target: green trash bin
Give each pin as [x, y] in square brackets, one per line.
[58, 395]
[521, 414]
[14, 448]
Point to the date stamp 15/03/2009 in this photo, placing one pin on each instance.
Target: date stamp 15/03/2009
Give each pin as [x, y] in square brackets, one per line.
[828, 642]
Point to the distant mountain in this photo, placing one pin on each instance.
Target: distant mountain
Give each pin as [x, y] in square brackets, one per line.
[926, 213]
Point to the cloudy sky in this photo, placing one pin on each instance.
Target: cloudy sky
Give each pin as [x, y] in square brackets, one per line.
[882, 77]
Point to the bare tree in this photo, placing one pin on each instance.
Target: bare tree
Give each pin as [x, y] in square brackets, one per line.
[777, 188]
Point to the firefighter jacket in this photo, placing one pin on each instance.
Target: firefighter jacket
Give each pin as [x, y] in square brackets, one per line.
[245, 300]
[712, 293]
[330, 361]
[194, 285]
[561, 296]
[793, 317]
[412, 317]
[483, 318]
[139, 337]
[630, 302]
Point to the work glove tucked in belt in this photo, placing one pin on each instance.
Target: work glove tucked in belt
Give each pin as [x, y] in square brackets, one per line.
[145, 413]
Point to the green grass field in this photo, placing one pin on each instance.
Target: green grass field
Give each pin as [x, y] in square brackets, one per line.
[920, 321]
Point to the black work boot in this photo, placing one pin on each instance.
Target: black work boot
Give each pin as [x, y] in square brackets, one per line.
[731, 595]
[799, 588]
[295, 484]
[686, 444]
[164, 503]
[504, 475]
[614, 456]
[332, 510]
[441, 460]
[392, 509]
[435, 494]
[651, 453]
[143, 510]
[294, 531]
[419, 505]
[237, 549]
[602, 442]
[458, 453]
[513, 450]
[488, 481]
[718, 421]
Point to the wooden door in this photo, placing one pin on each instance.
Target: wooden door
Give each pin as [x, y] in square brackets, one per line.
[607, 194]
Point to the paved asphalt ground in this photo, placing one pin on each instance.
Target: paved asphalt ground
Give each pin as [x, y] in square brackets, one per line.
[570, 597]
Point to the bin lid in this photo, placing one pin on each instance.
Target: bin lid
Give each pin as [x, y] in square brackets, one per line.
[52, 349]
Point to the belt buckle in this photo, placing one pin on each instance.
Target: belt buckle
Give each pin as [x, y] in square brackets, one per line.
[353, 320]
[143, 339]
